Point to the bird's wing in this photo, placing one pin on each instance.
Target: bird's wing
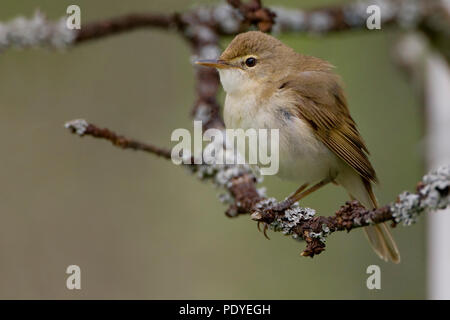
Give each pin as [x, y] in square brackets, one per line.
[322, 104]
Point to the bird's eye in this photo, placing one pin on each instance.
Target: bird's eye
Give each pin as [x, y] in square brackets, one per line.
[250, 62]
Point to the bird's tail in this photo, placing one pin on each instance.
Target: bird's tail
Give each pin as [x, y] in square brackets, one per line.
[378, 235]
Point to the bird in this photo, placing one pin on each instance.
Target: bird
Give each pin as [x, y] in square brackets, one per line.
[268, 85]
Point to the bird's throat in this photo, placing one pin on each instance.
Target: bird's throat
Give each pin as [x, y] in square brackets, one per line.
[236, 81]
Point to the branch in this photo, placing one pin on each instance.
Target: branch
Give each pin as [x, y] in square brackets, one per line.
[403, 14]
[130, 22]
[255, 13]
[431, 16]
[239, 183]
[82, 128]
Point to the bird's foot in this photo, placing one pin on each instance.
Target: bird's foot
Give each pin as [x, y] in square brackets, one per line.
[266, 210]
[264, 230]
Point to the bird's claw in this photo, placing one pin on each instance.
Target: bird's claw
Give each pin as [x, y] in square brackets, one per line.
[265, 228]
[270, 209]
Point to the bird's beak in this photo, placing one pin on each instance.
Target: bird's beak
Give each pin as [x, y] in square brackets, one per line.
[220, 64]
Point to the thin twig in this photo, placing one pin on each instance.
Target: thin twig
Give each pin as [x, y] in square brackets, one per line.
[130, 22]
[83, 128]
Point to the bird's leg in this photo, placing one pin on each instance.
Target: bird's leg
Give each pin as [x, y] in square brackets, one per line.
[288, 202]
[300, 195]
[300, 189]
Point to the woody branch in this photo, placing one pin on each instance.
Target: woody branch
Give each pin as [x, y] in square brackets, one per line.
[429, 16]
[432, 193]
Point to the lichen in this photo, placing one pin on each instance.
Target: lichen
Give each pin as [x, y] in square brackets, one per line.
[292, 217]
[229, 18]
[78, 126]
[288, 20]
[435, 192]
[222, 170]
[433, 195]
[35, 31]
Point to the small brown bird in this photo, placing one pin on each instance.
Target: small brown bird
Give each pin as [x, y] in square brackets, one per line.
[270, 86]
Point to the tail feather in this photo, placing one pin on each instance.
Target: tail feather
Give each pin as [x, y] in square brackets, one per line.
[379, 236]
[376, 242]
[382, 242]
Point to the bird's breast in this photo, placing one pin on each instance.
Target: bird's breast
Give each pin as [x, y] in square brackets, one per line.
[302, 156]
[240, 111]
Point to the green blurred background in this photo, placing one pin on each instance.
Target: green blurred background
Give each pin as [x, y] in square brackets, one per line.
[141, 228]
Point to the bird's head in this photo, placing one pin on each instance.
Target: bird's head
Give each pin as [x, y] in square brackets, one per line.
[251, 59]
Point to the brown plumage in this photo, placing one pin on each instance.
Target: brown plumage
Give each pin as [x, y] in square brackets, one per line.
[302, 97]
[322, 104]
